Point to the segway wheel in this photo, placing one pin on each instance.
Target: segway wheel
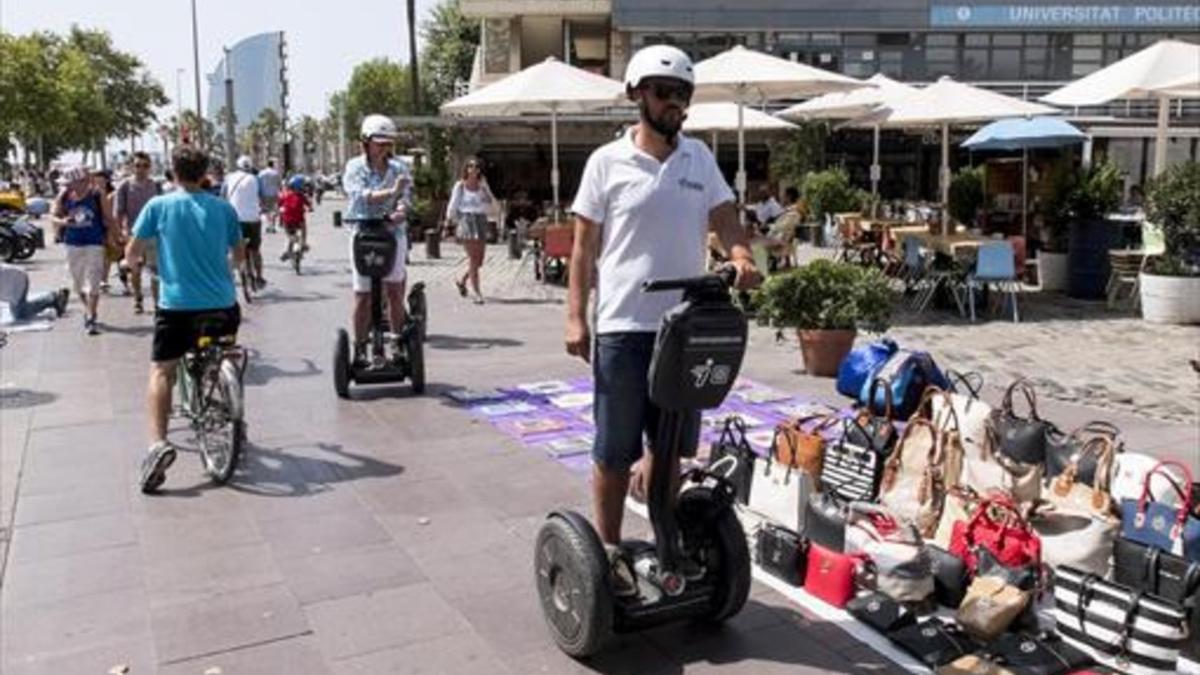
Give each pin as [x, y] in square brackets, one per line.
[341, 364]
[416, 360]
[572, 581]
[726, 551]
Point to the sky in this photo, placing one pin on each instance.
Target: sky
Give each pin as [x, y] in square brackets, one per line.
[325, 39]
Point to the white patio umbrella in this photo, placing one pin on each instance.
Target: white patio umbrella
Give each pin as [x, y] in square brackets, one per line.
[550, 86]
[948, 102]
[851, 104]
[1165, 70]
[742, 76]
[717, 117]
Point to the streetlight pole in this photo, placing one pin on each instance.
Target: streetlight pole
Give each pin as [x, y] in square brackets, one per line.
[196, 73]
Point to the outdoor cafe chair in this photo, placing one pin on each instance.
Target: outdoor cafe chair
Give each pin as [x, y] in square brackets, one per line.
[996, 266]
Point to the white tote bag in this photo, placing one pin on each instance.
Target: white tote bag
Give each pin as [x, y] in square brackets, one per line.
[779, 492]
[1129, 477]
[963, 406]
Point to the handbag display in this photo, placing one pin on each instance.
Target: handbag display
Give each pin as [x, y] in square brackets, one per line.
[990, 607]
[1064, 449]
[949, 577]
[898, 564]
[1076, 538]
[912, 485]
[1130, 472]
[1173, 528]
[934, 642]
[732, 443]
[825, 520]
[881, 612]
[852, 469]
[782, 553]
[997, 526]
[1022, 439]
[830, 575]
[1043, 654]
[985, 468]
[971, 412]
[1069, 492]
[1117, 625]
[802, 448]
[1152, 570]
[778, 493]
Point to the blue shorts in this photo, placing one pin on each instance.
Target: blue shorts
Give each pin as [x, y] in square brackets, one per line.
[622, 406]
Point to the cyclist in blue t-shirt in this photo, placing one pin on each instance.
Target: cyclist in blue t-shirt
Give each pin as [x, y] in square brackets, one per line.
[195, 234]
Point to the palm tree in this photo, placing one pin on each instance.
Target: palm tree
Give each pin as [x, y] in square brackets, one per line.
[410, 6]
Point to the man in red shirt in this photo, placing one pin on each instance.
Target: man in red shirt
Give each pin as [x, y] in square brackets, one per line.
[292, 205]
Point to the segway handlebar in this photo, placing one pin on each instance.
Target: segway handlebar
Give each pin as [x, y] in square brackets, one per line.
[723, 277]
[369, 222]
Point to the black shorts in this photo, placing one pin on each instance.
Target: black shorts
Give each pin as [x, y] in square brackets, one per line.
[252, 233]
[176, 330]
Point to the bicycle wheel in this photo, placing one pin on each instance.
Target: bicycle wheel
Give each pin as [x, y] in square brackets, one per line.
[296, 259]
[247, 282]
[221, 429]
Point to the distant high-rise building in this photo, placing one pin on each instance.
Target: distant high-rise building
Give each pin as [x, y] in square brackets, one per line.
[256, 62]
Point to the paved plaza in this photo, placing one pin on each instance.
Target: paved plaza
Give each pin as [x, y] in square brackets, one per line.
[393, 534]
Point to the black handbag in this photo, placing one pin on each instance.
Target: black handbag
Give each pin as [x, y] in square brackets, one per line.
[949, 577]
[825, 520]
[1021, 438]
[1062, 448]
[934, 641]
[782, 553]
[1044, 654]
[881, 612]
[874, 431]
[732, 444]
[1152, 570]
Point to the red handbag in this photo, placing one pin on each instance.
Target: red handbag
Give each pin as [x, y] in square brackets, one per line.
[997, 525]
[830, 575]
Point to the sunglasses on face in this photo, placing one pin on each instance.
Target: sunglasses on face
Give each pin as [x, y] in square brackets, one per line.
[665, 91]
[141, 165]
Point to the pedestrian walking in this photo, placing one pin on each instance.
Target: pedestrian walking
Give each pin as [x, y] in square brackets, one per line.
[83, 221]
[270, 184]
[132, 195]
[471, 201]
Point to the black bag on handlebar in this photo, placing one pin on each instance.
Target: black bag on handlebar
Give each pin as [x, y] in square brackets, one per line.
[699, 353]
[374, 250]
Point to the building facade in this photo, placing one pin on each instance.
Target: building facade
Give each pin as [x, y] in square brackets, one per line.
[1024, 48]
[257, 70]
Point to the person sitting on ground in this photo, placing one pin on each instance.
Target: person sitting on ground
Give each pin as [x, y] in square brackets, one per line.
[195, 234]
[14, 291]
[292, 205]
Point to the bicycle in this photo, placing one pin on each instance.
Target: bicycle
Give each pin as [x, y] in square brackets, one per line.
[249, 280]
[294, 251]
[209, 394]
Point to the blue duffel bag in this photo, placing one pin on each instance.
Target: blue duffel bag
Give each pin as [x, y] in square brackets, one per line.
[860, 365]
[904, 378]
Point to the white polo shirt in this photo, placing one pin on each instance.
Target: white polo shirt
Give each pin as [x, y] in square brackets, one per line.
[241, 190]
[654, 223]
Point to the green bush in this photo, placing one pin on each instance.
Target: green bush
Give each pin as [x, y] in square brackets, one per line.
[1173, 201]
[1094, 193]
[966, 195]
[830, 191]
[825, 295]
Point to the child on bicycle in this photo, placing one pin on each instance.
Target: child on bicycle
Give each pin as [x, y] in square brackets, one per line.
[292, 205]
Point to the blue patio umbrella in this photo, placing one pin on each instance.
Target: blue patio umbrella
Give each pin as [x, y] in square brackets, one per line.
[1025, 133]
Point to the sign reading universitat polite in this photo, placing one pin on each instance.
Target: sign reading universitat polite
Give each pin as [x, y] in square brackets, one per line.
[1065, 15]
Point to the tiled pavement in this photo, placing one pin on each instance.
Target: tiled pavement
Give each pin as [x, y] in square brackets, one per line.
[389, 534]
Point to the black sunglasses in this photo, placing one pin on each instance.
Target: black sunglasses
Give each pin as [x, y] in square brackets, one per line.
[665, 91]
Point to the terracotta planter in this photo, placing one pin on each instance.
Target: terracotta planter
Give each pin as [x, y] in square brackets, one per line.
[823, 350]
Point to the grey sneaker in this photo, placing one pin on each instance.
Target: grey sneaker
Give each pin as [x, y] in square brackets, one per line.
[624, 582]
[154, 466]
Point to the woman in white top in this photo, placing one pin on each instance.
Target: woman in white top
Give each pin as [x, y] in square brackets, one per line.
[470, 202]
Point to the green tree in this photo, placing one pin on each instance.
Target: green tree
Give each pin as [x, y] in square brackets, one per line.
[129, 93]
[32, 104]
[799, 154]
[450, 44]
[378, 86]
[270, 128]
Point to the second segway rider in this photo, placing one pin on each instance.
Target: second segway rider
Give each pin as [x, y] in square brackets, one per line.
[378, 186]
[645, 203]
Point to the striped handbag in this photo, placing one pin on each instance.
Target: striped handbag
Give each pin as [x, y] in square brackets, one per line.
[853, 466]
[1120, 627]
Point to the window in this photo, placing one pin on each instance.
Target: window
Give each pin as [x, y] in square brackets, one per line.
[974, 63]
[976, 39]
[1006, 64]
[497, 41]
[894, 39]
[1006, 40]
[860, 40]
[1088, 40]
[941, 40]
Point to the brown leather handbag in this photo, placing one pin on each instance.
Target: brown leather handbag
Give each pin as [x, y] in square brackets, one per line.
[800, 443]
[990, 607]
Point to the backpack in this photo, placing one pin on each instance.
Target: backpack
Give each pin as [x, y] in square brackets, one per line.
[860, 365]
[905, 376]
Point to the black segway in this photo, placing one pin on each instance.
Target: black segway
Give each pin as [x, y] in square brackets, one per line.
[698, 566]
[392, 356]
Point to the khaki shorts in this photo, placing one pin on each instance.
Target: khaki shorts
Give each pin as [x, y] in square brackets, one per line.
[85, 264]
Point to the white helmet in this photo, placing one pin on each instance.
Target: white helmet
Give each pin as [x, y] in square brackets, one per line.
[244, 163]
[658, 61]
[377, 125]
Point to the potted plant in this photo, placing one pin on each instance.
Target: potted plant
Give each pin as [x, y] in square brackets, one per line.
[966, 197]
[1055, 221]
[1170, 284]
[1095, 193]
[827, 303]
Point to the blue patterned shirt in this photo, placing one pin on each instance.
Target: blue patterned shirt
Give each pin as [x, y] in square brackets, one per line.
[358, 179]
